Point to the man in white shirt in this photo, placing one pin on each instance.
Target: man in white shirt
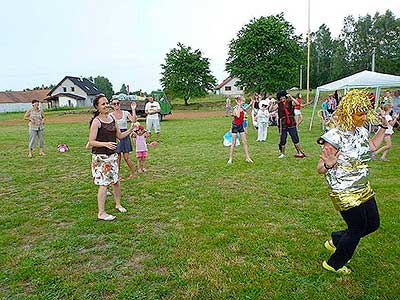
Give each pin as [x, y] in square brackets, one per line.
[152, 109]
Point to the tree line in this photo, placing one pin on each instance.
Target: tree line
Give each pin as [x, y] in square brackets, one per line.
[351, 52]
[267, 55]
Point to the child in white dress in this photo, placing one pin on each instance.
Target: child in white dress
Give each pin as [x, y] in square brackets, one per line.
[262, 122]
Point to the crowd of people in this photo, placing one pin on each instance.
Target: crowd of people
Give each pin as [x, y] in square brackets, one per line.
[285, 113]
[345, 150]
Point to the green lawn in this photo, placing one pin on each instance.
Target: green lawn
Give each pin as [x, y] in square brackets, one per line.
[195, 228]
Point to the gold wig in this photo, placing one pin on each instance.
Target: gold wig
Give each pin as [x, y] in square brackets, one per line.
[353, 102]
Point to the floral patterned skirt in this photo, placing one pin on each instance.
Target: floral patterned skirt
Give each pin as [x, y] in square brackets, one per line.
[105, 169]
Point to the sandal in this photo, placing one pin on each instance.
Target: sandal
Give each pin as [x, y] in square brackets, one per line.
[329, 246]
[106, 217]
[131, 176]
[343, 270]
[121, 209]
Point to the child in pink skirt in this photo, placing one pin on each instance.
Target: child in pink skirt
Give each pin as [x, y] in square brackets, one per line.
[140, 135]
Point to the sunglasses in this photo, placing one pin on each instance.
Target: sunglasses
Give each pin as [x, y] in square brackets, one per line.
[115, 103]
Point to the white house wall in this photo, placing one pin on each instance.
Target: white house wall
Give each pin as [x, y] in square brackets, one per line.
[18, 107]
[67, 83]
[234, 89]
[64, 101]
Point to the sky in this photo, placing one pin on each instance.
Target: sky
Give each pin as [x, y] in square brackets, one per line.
[127, 40]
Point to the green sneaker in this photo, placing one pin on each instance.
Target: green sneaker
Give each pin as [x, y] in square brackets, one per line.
[329, 247]
[343, 270]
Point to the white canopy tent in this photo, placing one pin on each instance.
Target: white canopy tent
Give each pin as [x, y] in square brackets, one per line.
[364, 79]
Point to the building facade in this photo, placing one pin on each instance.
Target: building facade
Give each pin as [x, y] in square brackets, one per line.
[16, 101]
[72, 92]
[230, 87]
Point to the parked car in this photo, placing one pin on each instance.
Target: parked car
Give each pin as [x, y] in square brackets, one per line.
[158, 96]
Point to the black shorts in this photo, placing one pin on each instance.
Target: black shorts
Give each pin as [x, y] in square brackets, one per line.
[237, 128]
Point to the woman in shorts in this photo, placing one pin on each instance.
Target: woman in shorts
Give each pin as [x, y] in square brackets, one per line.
[298, 116]
[238, 128]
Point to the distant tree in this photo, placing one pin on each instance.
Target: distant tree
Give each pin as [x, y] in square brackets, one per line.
[340, 61]
[321, 56]
[104, 85]
[386, 41]
[123, 89]
[265, 55]
[361, 36]
[186, 73]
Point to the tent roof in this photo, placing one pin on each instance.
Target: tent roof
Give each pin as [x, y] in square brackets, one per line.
[362, 79]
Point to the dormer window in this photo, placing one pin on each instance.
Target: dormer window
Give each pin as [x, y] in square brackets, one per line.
[72, 89]
[64, 89]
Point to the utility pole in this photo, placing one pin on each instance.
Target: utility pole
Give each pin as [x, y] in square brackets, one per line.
[301, 77]
[308, 56]
[373, 60]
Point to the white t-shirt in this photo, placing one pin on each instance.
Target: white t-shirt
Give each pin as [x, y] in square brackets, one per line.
[390, 128]
[123, 122]
[262, 116]
[152, 108]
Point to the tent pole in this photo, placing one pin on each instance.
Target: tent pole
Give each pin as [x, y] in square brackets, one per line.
[377, 96]
[314, 107]
[308, 56]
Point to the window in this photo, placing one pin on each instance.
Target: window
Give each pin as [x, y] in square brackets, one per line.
[64, 89]
[72, 89]
[228, 88]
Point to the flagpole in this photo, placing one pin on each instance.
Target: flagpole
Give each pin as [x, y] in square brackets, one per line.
[308, 55]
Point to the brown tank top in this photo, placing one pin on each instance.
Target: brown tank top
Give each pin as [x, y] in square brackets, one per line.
[106, 133]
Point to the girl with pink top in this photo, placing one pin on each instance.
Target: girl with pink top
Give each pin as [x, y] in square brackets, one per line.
[140, 135]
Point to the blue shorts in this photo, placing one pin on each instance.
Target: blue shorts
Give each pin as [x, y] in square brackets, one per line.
[293, 134]
[237, 128]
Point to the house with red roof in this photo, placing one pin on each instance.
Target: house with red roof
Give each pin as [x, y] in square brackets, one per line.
[15, 101]
[230, 87]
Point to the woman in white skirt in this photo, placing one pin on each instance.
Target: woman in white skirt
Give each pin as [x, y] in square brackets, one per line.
[103, 135]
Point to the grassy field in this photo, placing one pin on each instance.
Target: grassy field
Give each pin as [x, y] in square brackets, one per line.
[195, 228]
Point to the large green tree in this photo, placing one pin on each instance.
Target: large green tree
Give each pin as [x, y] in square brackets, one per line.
[321, 56]
[104, 85]
[354, 47]
[265, 55]
[186, 73]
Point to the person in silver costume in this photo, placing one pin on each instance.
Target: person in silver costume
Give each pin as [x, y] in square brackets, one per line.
[346, 151]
